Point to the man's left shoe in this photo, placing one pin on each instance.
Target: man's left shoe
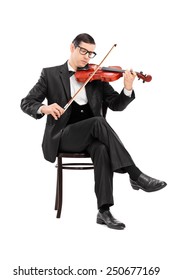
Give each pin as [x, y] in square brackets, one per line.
[106, 218]
[147, 183]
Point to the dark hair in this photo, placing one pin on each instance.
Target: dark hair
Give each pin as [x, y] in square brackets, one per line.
[83, 37]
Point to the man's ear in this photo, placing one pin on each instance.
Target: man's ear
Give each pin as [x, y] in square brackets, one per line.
[72, 47]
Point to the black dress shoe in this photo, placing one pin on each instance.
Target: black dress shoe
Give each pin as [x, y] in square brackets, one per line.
[106, 218]
[147, 184]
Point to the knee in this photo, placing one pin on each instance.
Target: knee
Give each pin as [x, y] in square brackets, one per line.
[101, 154]
[99, 120]
[102, 149]
[99, 149]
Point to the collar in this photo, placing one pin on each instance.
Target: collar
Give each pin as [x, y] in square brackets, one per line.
[69, 67]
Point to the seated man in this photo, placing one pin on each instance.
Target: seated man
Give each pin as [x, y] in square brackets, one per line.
[82, 126]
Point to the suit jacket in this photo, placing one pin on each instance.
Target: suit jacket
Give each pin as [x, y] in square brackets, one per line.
[54, 85]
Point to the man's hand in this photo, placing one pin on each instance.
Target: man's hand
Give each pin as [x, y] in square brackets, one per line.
[54, 109]
[129, 77]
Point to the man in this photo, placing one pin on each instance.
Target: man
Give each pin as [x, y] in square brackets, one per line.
[82, 126]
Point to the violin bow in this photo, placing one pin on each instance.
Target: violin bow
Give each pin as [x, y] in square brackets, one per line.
[86, 82]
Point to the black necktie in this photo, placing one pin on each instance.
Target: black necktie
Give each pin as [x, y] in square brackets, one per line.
[71, 73]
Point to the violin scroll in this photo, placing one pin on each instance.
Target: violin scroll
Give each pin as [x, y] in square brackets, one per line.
[145, 78]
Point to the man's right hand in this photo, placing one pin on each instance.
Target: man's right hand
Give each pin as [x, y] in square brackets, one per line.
[54, 109]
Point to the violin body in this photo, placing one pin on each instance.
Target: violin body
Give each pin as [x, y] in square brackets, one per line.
[105, 74]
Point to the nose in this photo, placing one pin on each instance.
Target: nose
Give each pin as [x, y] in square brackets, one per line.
[86, 56]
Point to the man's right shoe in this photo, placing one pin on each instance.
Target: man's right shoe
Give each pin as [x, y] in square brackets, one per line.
[147, 183]
[107, 219]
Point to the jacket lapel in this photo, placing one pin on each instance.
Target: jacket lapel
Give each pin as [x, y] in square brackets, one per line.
[92, 99]
[64, 76]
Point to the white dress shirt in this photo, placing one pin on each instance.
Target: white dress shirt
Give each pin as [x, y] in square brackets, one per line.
[80, 98]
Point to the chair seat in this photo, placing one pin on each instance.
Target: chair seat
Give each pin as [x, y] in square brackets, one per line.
[74, 155]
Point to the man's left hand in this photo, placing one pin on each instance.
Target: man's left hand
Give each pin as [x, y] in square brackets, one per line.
[129, 76]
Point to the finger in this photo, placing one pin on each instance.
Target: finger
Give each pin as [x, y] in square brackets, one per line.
[60, 109]
[58, 112]
[54, 116]
[134, 73]
[125, 74]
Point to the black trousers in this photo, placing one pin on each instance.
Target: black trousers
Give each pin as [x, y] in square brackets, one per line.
[107, 152]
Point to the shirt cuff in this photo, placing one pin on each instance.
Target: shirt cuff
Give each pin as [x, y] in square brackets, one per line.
[39, 110]
[127, 92]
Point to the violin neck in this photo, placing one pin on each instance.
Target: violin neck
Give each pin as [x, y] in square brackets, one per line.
[140, 75]
[112, 69]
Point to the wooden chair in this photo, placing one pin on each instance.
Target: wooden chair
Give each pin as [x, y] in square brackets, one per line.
[72, 166]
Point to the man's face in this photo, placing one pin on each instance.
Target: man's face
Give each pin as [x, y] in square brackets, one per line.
[79, 55]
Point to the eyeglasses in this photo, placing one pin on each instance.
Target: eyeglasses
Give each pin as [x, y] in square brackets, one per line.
[84, 51]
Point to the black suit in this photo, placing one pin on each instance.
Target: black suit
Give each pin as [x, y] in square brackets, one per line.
[97, 137]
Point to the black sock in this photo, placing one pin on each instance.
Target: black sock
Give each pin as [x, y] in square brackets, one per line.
[133, 172]
[104, 208]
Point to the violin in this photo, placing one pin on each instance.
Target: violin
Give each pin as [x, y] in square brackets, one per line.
[105, 74]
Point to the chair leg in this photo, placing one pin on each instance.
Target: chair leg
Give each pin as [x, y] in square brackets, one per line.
[58, 199]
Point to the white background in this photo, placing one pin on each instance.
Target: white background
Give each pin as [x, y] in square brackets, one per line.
[37, 34]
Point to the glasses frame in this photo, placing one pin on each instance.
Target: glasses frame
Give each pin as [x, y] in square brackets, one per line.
[90, 54]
